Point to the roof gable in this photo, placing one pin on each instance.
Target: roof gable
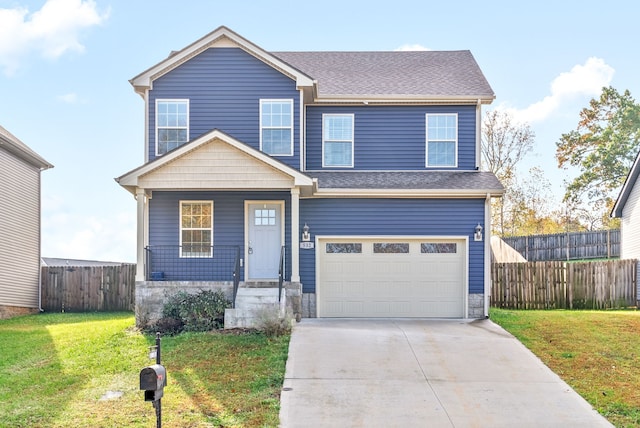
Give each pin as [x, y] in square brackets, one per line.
[214, 161]
[20, 149]
[220, 37]
[629, 183]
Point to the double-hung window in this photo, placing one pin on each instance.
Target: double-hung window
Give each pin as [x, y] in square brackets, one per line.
[172, 124]
[442, 140]
[276, 127]
[337, 140]
[196, 228]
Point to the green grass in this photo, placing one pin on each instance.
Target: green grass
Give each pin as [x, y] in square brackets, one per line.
[54, 369]
[596, 352]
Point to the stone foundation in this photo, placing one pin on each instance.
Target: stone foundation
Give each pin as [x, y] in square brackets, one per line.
[309, 305]
[476, 306]
[151, 296]
[7, 312]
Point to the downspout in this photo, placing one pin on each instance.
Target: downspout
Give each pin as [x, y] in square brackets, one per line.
[40, 309]
[487, 254]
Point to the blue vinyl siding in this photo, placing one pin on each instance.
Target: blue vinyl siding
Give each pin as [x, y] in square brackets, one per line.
[408, 217]
[224, 87]
[228, 219]
[391, 137]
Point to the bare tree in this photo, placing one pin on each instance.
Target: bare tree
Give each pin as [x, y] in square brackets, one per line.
[505, 142]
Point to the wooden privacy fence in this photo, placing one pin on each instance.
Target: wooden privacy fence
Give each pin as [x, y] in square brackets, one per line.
[598, 244]
[561, 285]
[88, 288]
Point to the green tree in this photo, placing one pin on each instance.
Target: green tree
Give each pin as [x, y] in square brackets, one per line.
[602, 147]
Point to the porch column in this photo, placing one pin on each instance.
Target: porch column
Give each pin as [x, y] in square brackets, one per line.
[295, 232]
[140, 199]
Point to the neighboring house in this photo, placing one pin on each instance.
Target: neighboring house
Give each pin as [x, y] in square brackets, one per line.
[20, 169]
[627, 208]
[364, 167]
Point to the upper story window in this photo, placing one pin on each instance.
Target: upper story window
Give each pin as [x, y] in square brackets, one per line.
[337, 140]
[172, 124]
[442, 140]
[276, 127]
[196, 228]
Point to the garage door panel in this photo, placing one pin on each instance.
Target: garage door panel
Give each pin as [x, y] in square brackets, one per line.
[391, 279]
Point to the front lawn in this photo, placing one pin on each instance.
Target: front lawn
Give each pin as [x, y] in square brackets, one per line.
[56, 371]
[596, 352]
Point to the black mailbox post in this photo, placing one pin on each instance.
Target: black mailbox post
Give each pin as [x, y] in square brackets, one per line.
[153, 379]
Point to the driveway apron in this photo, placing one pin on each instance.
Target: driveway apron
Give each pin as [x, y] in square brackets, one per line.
[421, 373]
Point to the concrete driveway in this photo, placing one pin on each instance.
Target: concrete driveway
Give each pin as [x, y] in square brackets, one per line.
[421, 373]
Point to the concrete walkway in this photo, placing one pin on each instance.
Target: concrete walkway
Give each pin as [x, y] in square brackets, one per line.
[421, 373]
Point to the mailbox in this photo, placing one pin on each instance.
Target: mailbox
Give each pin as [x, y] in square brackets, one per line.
[153, 379]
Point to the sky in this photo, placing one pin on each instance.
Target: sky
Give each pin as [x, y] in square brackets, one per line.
[65, 67]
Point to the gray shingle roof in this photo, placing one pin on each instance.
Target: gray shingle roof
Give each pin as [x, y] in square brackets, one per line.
[408, 180]
[424, 74]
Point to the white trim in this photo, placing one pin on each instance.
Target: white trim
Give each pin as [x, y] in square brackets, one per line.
[353, 126]
[458, 238]
[141, 206]
[170, 100]
[291, 127]
[189, 201]
[405, 193]
[247, 217]
[426, 143]
[402, 99]
[295, 234]
[302, 128]
[479, 135]
[487, 255]
[146, 126]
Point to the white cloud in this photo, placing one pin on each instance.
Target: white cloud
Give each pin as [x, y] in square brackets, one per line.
[51, 31]
[582, 81]
[414, 47]
[70, 98]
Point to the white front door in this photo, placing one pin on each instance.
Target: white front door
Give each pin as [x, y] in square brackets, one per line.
[264, 240]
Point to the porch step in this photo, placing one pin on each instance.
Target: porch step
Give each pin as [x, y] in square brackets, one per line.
[252, 303]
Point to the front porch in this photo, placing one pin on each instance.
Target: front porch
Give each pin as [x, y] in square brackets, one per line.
[217, 268]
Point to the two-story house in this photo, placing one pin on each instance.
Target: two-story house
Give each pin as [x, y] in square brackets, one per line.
[20, 223]
[355, 173]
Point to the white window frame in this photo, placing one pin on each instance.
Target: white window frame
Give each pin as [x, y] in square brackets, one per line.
[290, 128]
[353, 126]
[170, 100]
[192, 255]
[454, 141]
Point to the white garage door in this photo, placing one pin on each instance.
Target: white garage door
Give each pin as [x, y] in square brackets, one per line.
[391, 277]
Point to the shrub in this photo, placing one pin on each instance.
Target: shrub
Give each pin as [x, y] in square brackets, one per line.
[203, 311]
[272, 323]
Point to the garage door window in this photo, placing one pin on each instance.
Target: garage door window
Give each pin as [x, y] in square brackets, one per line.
[334, 248]
[438, 248]
[390, 248]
